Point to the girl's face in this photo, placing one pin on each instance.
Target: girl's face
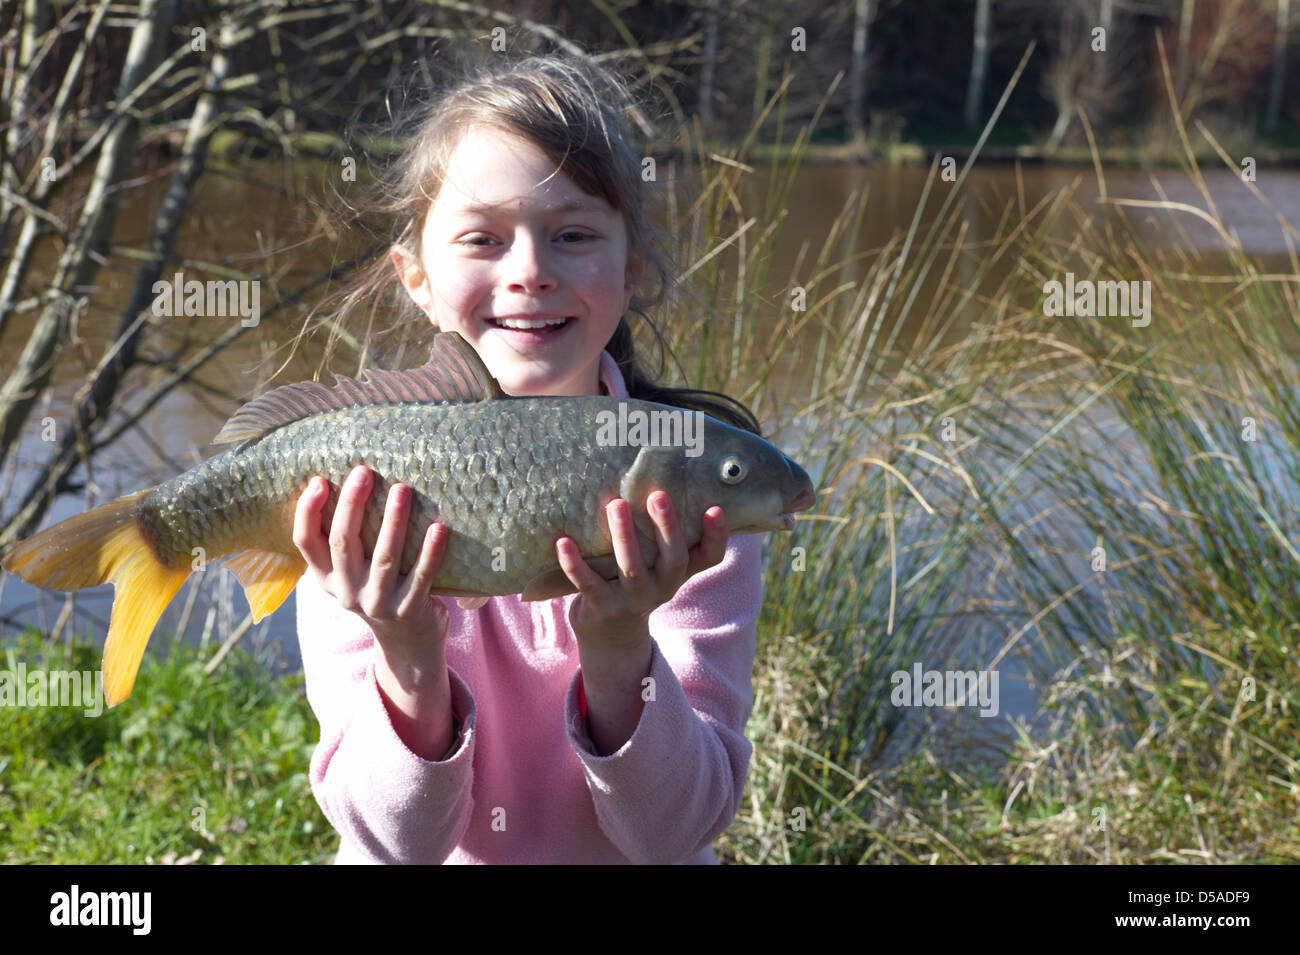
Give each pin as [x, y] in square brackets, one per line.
[509, 238]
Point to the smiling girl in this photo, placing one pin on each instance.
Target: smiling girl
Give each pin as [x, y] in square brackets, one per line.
[606, 726]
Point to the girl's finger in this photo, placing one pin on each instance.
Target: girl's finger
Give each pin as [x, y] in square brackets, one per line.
[588, 582]
[670, 566]
[421, 576]
[390, 543]
[627, 551]
[713, 542]
[307, 535]
[345, 530]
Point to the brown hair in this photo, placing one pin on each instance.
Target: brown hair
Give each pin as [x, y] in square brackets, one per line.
[575, 112]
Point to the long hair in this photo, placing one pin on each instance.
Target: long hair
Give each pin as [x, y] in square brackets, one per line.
[577, 114]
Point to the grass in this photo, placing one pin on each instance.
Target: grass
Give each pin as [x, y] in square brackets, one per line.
[1207, 775]
[194, 769]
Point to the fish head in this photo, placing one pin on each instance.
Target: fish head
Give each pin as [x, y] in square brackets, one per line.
[757, 487]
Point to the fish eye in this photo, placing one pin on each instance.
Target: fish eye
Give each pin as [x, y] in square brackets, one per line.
[733, 470]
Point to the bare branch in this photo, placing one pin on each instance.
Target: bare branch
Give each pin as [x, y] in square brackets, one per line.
[78, 264]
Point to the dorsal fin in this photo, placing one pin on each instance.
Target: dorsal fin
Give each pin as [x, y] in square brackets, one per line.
[454, 373]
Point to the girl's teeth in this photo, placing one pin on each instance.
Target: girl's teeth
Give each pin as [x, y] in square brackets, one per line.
[524, 323]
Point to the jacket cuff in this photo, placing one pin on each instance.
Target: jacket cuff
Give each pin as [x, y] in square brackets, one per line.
[376, 726]
[664, 718]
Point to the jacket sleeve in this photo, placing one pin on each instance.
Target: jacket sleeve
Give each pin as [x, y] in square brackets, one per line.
[676, 784]
[385, 801]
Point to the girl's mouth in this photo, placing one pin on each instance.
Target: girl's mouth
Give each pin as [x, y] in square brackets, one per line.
[531, 329]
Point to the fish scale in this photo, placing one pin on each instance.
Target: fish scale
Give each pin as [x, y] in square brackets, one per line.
[517, 495]
[507, 475]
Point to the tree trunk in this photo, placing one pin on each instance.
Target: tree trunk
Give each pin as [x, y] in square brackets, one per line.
[763, 61]
[1279, 64]
[1105, 17]
[710, 61]
[1059, 128]
[15, 115]
[979, 64]
[97, 401]
[79, 263]
[1184, 44]
[863, 13]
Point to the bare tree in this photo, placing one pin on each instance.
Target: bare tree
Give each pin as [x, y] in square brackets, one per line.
[1070, 64]
[87, 244]
[70, 153]
[1228, 51]
[979, 64]
[1279, 64]
[1185, 18]
[1090, 65]
[864, 12]
[707, 91]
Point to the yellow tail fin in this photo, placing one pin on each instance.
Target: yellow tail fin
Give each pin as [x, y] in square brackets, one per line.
[101, 546]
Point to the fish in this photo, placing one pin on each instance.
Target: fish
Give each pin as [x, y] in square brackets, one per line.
[506, 474]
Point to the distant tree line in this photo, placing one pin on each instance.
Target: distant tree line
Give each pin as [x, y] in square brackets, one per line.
[924, 69]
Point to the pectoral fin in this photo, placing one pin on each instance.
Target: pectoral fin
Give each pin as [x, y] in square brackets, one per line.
[268, 577]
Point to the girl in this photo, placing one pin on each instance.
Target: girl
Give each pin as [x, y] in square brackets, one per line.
[607, 726]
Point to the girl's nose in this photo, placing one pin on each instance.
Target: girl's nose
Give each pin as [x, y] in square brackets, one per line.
[528, 267]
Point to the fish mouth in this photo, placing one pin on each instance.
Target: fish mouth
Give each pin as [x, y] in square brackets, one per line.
[781, 522]
[805, 499]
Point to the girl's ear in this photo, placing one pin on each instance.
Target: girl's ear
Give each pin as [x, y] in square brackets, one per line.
[411, 274]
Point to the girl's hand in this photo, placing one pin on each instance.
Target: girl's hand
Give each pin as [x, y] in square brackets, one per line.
[409, 623]
[611, 611]
[399, 610]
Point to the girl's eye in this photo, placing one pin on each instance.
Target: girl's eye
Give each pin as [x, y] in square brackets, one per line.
[571, 237]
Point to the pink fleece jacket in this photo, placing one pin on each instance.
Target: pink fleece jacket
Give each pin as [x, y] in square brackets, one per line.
[522, 782]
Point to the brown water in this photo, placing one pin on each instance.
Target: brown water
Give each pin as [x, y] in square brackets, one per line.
[240, 213]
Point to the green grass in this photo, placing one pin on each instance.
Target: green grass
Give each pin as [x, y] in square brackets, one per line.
[192, 768]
